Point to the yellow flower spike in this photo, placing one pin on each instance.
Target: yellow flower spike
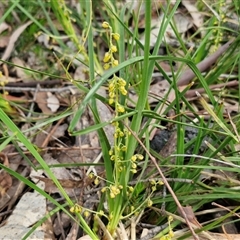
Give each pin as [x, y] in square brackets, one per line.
[105, 24]
[116, 36]
[115, 63]
[103, 189]
[113, 48]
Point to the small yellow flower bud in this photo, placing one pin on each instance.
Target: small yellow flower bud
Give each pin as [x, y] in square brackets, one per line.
[96, 181]
[113, 48]
[107, 57]
[72, 209]
[122, 82]
[170, 218]
[110, 152]
[149, 203]
[160, 183]
[171, 233]
[116, 36]
[106, 66]
[139, 156]
[131, 189]
[120, 109]
[111, 86]
[103, 190]
[134, 158]
[112, 195]
[101, 212]
[111, 101]
[134, 165]
[124, 148]
[133, 171]
[115, 62]
[105, 24]
[111, 94]
[86, 213]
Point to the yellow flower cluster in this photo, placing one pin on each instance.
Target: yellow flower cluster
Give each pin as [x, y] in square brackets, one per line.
[117, 85]
[134, 158]
[109, 59]
[113, 189]
[170, 234]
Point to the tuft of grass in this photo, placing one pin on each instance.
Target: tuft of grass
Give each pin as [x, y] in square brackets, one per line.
[126, 192]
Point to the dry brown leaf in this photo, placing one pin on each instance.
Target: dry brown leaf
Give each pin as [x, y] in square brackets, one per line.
[47, 227]
[5, 178]
[13, 39]
[4, 40]
[20, 72]
[190, 216]
[193, 11]
[3, 26]
[52, 102]
[67, 184]
[41, 100]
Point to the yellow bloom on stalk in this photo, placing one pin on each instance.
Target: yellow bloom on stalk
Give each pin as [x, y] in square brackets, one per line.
[107, 57]
[120, 108]
[115, 62]
[116, 36]
[106, 66]
[113, 48]
[105, 24]
[111, 101]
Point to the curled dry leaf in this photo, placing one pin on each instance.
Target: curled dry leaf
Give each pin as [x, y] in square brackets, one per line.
[52, 102]
[3, 26]
[23, 74]
[13, 39]
[190, 216]
[47, 102]
[41, 100]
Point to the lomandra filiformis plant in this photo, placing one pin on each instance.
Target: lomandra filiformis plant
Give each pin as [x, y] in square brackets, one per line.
[118, 191]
